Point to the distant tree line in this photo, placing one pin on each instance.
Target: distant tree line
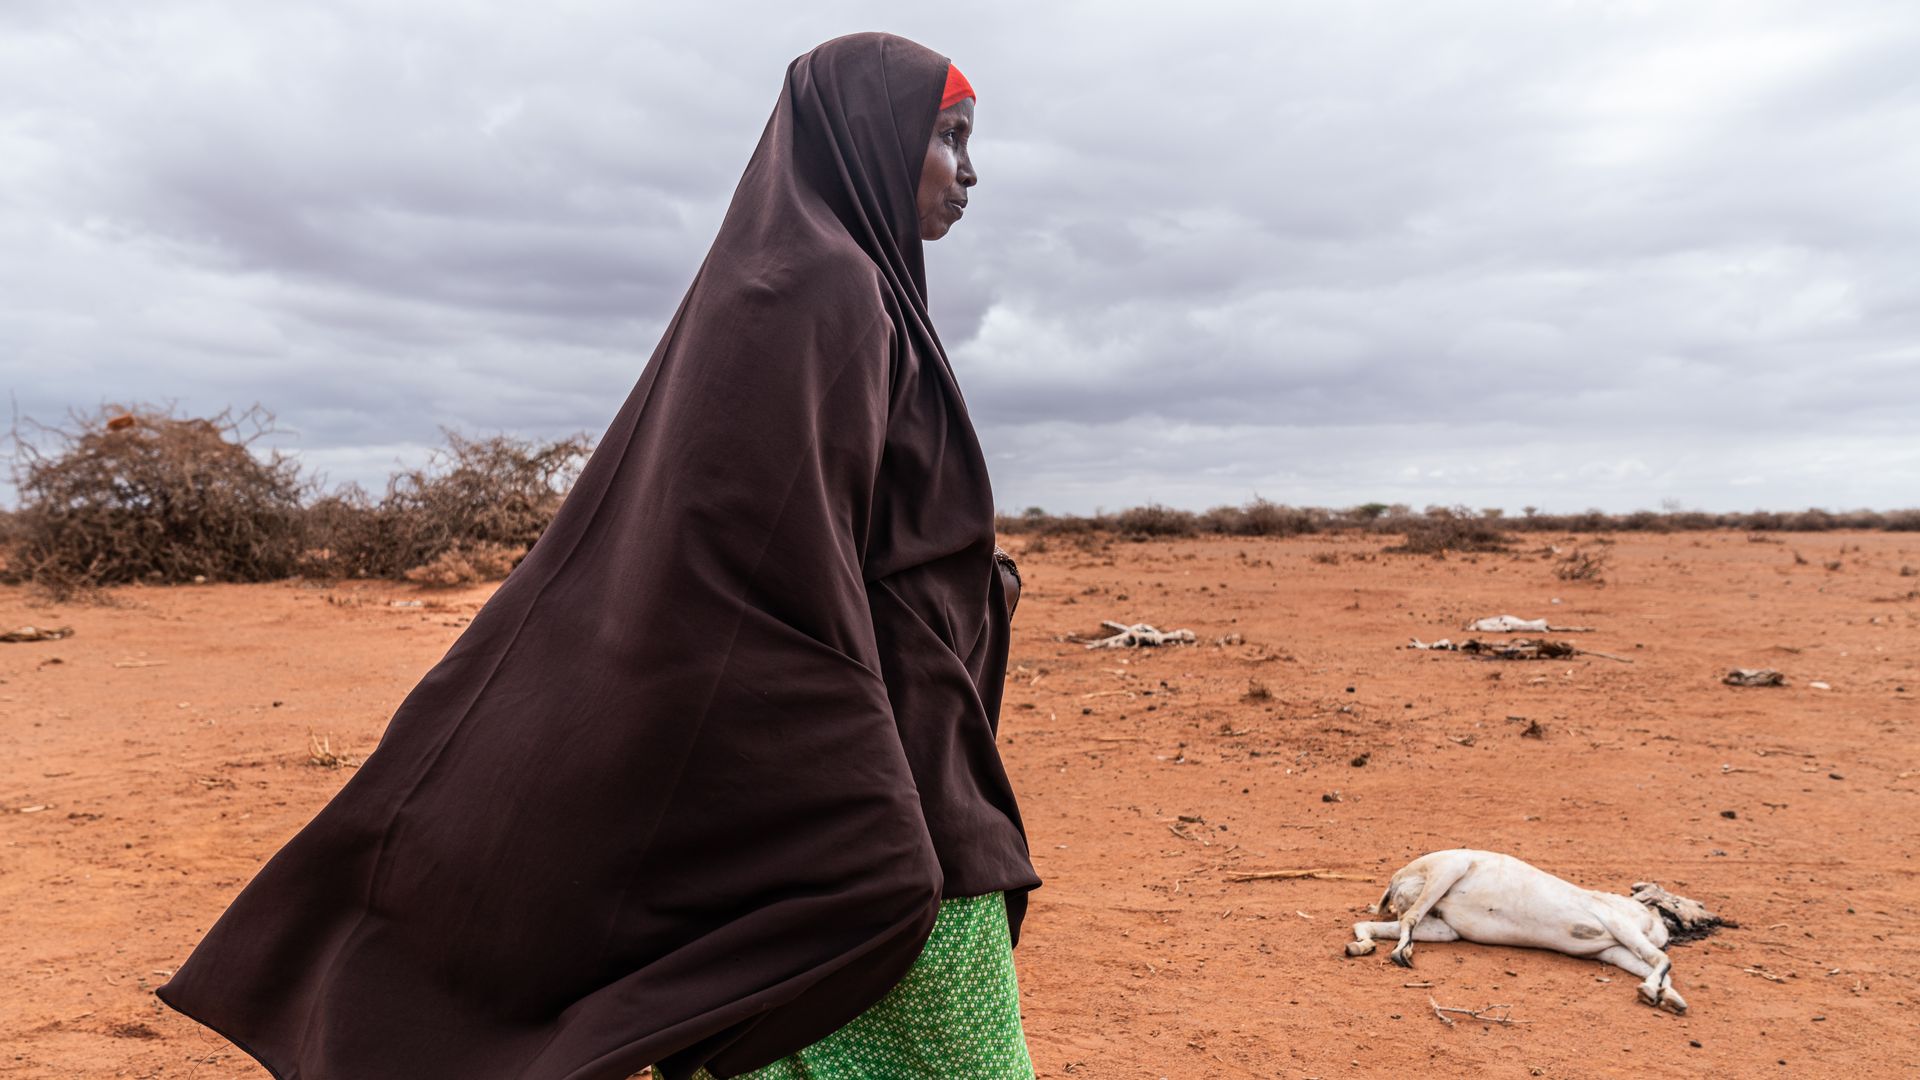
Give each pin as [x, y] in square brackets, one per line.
[142, 494]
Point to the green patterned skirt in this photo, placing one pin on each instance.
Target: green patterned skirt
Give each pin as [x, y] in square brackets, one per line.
[955, 1014]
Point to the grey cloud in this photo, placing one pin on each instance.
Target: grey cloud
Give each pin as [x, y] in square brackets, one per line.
[1500, 254]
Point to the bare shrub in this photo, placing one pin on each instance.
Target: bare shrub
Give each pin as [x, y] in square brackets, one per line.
[1156, 520]
[1443, 529]
[1581, 564]
[466, 565]
[142, 494]
[1263, 518]
[477, 497]
[1326, 558]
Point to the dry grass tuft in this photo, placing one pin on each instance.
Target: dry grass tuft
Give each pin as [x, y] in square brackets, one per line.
[1581, 564]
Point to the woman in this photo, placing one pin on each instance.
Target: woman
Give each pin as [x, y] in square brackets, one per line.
[715, 766]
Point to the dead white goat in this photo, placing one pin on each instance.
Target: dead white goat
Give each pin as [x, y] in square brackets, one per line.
[1513, 624]
[1495, 899]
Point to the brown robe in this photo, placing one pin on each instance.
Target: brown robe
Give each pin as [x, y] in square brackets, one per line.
[690, 787]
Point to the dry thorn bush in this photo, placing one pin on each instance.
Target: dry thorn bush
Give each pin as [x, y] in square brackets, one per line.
[139, 493]
[1442, 529]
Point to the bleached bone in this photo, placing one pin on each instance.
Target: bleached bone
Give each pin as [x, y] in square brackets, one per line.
[1139, 634]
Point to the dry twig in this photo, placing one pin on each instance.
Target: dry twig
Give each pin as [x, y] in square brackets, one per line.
[1485, 1015]
[1294, 875]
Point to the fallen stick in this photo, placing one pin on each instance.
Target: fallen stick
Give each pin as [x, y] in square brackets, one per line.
[1294, 875]
[1481, 1015]
[1604, 655]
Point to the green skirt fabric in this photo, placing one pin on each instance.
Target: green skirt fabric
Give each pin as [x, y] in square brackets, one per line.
[955, 1014]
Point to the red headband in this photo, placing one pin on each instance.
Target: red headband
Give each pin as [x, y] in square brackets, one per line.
[958, 89]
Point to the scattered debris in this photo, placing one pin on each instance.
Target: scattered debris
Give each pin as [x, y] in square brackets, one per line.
[1332, 796]
[1517, 649]
[320, 752]
[1125, 636]
[1510, 624]
[1534, 731]
[1742, 676]
[1360, 760]
[132, 1029]
[1817, 685]
[1687, 920]
[1491, 1014]
[36, 633]
[1230, 639]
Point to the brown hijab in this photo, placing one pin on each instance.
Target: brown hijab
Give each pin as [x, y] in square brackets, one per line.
[689, 788]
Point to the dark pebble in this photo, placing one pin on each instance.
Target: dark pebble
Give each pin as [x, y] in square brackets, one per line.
[1728, 814]
[1695, 1043]
[1835, 776]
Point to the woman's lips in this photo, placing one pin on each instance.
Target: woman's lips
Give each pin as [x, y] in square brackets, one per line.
[959, 208]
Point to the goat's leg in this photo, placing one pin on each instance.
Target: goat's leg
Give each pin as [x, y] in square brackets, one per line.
[1364, 934]
[1622, 957]
[1656, 988]
[1440, 878]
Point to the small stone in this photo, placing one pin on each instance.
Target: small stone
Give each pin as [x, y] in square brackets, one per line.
[1360, 760]
[1695, 1043]
[1729, 814]
[1835, 776]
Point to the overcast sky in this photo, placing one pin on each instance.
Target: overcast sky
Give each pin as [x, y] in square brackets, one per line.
[1559, 254]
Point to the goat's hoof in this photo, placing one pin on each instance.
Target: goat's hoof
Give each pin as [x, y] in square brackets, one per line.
[1673, 1002]
[1648, 994]
[1359, 948]
[1403, 959]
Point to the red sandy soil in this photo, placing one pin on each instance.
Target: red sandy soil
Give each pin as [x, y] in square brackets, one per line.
[151, 762]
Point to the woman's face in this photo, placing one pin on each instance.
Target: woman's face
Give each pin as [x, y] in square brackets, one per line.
[948, 172]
